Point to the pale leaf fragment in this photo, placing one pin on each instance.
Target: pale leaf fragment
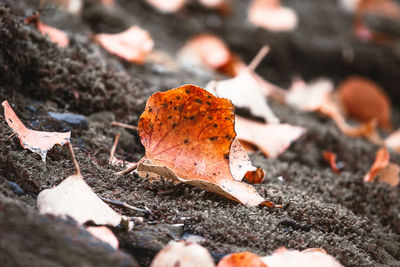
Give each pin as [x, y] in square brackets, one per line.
[104, 234]
[393, 141]
[36, 141]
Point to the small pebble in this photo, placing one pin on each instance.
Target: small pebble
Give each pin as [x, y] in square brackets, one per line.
[16, 188]
[74, 119]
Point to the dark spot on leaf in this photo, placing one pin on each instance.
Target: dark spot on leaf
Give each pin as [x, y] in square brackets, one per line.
[187, 92]
[215, 125]
[226, 155]
[195, 164]
[192, 117]
[173, 125]
[169, 117]
[178, 97]
[186, 141]
[199, 101]
[209, 97]
[213, 138]
[210, 118]
[175, 108]
[208, 103]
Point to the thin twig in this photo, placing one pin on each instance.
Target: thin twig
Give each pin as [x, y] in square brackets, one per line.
[127, 170]
[77, 169]
[258, 58]
[11, 135]
[125, 205]
[114, 147]
[120, 124]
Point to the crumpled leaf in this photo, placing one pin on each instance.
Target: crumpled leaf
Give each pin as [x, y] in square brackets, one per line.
[312, 257]
[183, 254]
[245, 91]
[55, 35]
[133, 45]
[364, 100]
[271, 139]
[74, 198]
[187, 133]
[388, 172]
[36, 141]
[393, 141]
[241, 259]
[210, 52]
[269, 14]
[169, 6]
[104, 234]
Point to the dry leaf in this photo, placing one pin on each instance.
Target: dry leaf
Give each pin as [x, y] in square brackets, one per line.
[386, 8]
[241, 259]
[104, 234]
[269, 14]
[245, 91]
[167, 6]
[133, 45]
[210, 52]
[55, 35]
[223, 6]
[314, 257]
[183, 254]
[330, 158]
[271, 139]
[187, 133]
[254, 177]
[388, 172]
[393, 141]
[364, 100]
[36, 141]
[74, 198]
[309, 96]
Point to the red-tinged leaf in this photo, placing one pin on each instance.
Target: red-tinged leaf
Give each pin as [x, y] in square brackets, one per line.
[382, 160]
[269, 14]
[55, 35]
[188, 135]
[330, 158]
[133, 45]
[393, 141]
[313, 257]
[183, 254]
[390, 174]
[246, 90]
[167, 6]
[385, 8]
[36, 141]
[364, 100]
[241, 259]
[271, 139]
[209, 51]
[104, 234]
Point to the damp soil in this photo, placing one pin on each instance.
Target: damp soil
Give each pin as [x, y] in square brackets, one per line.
[356, 222]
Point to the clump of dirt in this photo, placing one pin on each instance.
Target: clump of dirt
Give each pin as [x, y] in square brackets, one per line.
[356, 222]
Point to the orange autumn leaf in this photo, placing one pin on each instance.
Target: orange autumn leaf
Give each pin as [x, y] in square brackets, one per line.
[36, 141]
[364, 100]
[330, 158]
[271, 139]
[188, 135]
[133, 45]
[55, 35]
[211, 52]
[254, 177]
[169, 6]
[381, 161]
[241, 259]
[388, 172]
[269, 14]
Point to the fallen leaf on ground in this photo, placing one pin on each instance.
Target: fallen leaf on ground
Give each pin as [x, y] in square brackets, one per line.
[241, 259]
[245, 91]
[210, 52]
[393, 141]
[364, 100]
[309, 96]
[104, 234]
[183, 254]
[187, 133]
[269, 14]
[313, 257]
[388, 172]
[133, 45]
[36, 141]
[385, 8]
[55, 35]
[167, 6]
[271, 139]
[330, 158]
[74, 198]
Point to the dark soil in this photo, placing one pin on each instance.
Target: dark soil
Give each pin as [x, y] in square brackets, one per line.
[356, 222]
